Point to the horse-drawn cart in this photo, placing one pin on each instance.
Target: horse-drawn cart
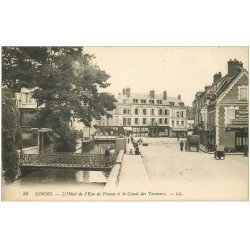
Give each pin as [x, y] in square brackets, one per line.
[193, 141]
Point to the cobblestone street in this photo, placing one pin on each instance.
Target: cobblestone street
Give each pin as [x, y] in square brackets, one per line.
[194, 175]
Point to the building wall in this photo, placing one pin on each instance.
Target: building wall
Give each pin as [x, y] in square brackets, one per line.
[24, 99]
[176, 116]
[232, 95]
[230, 100]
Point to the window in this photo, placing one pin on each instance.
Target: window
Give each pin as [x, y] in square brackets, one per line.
[135, 100]
[144, 111]
[166, 120]
[124, 111]
[243, 93]
[160, 120]
[182, 123]
[26, 97]
[136, 121]
[166, 112]
[172, 123]
[144, 121]
[160, 111]
[177, 123]
[129, 111]
[129, 121]
[136, 111]
[152, 111]
[124, 121]
[171, 103]
[177, 114]
[152, 101]
[182, 113]
[152, 121]
[159, 101]
[143, 101]
[230, 114]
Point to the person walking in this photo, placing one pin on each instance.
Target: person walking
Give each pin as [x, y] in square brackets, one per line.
[181, 145]
[128, 140]
[106, 156]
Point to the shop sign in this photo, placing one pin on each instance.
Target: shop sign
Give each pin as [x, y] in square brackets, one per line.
[241, 117]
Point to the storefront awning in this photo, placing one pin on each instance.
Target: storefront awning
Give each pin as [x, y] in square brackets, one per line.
[179, 129]
[237, 127]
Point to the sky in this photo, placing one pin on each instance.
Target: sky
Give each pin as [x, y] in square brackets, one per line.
[179, 70]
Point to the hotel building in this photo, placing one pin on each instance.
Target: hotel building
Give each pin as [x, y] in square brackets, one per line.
[146, 114]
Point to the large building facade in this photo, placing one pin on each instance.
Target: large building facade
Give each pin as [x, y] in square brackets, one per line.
[221, 110]
[146, 114]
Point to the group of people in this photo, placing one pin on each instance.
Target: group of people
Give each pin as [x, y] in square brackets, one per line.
[136, 144]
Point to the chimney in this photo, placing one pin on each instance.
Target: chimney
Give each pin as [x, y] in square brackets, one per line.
[179, 97]
[217, 77]
[124, 91]
[165, 95]
[152, 94]
[207, 87]
[128, 92]
[234, 67]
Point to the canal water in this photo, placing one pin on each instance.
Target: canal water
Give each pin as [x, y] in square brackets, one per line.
[61, 176]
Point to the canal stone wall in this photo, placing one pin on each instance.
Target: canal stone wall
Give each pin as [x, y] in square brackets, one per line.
[115, 173]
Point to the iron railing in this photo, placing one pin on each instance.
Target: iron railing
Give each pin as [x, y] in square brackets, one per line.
[65, 159]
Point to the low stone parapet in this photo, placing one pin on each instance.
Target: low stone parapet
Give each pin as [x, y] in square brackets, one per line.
[114, 176]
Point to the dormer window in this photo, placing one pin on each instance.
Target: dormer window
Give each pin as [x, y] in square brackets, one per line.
[171, 103]
[135, 100]
[143, 101]
[159, 101]
[152, 101]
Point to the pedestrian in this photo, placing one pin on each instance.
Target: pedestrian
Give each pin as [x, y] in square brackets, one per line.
[128, 140]
[137, 151]
[135, 145]
[178, 137]
[106, 156]
[181, 145]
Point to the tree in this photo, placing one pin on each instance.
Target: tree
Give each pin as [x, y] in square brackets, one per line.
[65, 81]
[11, 136]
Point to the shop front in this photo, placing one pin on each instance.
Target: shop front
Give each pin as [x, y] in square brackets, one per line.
[239, 126]
[140, 131]
[179, 132]
[158, 131]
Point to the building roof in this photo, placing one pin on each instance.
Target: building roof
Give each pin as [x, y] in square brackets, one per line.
[146, 96]
[157, 97]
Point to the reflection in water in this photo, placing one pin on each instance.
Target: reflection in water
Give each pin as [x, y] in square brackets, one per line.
[65, 176]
